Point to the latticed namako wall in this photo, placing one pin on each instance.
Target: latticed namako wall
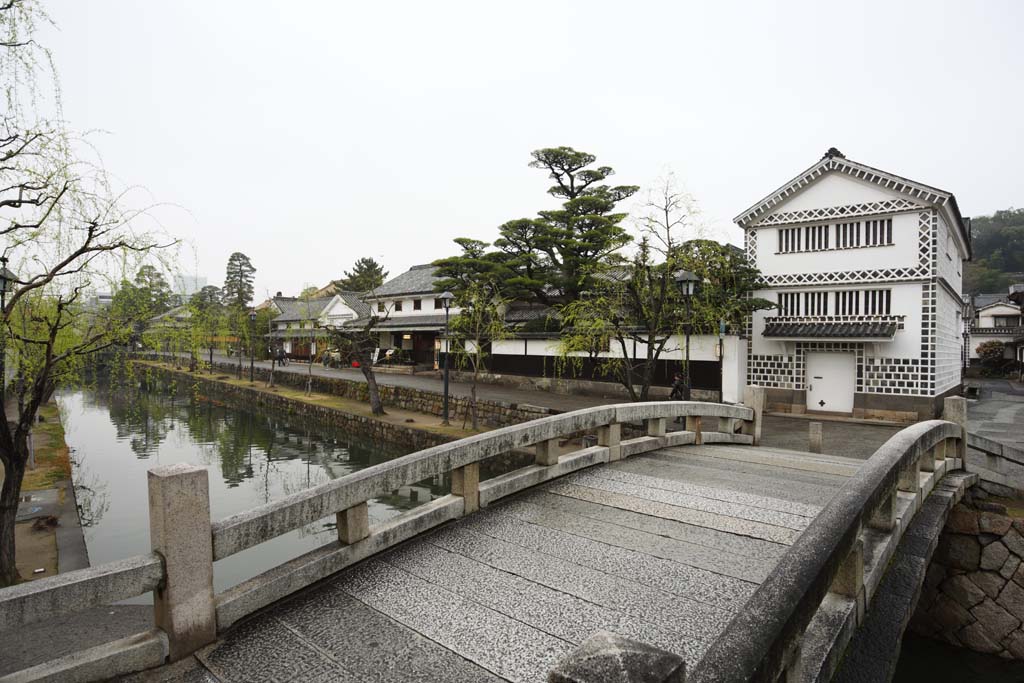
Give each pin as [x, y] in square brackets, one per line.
[906, 376]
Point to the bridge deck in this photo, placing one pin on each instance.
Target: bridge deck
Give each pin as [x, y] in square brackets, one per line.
[663, 548]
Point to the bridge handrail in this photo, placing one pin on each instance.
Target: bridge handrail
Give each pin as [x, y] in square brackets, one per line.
[246, 529]
[33, 601]
[760, 640]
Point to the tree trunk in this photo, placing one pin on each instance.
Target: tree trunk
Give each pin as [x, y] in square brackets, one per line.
[211, 359]
[472, 404]
[376, 407]
[14, 473]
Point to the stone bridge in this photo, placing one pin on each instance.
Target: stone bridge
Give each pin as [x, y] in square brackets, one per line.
[685, 552]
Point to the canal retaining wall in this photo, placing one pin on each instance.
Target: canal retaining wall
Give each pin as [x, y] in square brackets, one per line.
[973, 594]
[491, 413]
[407, 438]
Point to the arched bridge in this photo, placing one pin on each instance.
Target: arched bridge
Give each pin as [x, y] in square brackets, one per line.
[675, 548]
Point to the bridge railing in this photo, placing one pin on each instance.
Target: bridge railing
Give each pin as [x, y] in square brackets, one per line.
[766, 641]
[179, 571]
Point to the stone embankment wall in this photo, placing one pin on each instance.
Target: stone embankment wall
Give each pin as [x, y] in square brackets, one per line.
[491, 413]
[973, 594]
[405, 438]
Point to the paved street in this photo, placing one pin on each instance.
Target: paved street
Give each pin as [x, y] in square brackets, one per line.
[999, 412]
[490, 392]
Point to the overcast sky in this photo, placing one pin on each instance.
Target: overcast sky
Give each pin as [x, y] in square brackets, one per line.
[308, 134]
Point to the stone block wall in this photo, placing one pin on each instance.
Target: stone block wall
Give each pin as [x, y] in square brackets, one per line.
[404, 438]
[491, 413]
[973, 594]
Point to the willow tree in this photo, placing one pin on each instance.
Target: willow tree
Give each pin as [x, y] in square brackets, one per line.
[65, 236]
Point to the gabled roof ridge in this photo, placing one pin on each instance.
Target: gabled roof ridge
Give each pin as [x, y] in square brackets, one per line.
[818, 169]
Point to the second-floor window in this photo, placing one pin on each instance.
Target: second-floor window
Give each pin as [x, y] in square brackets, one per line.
[398, 307]
[416, 303]
[846, 235]
[380, 306]
[847, 302]
[1006, 320]
[438, 304]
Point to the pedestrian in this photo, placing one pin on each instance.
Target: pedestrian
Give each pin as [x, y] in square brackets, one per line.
[678, 387]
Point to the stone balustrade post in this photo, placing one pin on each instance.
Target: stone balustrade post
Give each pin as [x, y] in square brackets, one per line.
[849, 580]
[910, 479]
[954, 409]
[466, 483]
[814, 437]
[547, 452]
[883, 517]
[179, 530]
[694, 424]
[611, 436]
[354, 524]
[726, 425]
[656, 426]
[754, 398]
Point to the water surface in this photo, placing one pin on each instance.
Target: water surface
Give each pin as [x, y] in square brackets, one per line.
[118, 432]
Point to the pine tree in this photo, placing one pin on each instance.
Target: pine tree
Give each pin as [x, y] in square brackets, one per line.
[238, 281]
[366, 274]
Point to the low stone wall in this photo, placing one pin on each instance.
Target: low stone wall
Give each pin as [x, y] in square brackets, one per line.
[582, 387]
[491, 413]
[973, 594]
[407, 438]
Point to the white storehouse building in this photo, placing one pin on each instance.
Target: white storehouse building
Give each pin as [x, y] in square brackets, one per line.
[866, 270]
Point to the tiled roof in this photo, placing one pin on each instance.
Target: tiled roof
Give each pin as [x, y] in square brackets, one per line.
[525, 313]
[354, 300]
[412, 322]
[293, 308]
[416, 280]
[983, 300]
[827, 330]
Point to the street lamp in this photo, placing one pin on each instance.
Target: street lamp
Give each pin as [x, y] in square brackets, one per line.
[252, 347]
[446, 301]
[686, 281]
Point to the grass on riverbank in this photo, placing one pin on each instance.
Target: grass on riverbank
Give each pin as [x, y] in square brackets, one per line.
[396, 416]
[53, 459]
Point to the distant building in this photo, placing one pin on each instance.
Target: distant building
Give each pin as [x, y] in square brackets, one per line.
[414, 314]
[865, 268]
[297, 328]
[997, 317]
[187, 285]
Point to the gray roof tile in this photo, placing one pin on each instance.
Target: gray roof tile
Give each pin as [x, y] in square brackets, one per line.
[830, 330]
[416, 280]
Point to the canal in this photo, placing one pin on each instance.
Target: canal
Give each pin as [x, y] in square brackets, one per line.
[118, 432]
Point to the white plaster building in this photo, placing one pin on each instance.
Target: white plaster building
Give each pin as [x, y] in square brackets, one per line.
[997, 317]
[866, 270]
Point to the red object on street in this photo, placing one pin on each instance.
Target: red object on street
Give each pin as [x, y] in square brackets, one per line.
[355, 364]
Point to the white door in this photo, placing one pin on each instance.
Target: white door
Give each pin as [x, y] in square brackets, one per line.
[831, 381]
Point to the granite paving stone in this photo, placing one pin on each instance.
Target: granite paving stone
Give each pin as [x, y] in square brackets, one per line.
[675, 578]
[718, 561]
[669, 528]
[731, 525]
[555, 612]
[782, 519]
[504, 646]
[739, 481]
[632, 470]
[704, 457]
[369, 645]
[696, 621]
[264, 649]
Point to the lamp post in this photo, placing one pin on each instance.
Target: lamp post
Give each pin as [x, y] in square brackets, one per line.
[686, 281]
[270, 349]
[446, 301]
[252, 347]
[721, 359]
